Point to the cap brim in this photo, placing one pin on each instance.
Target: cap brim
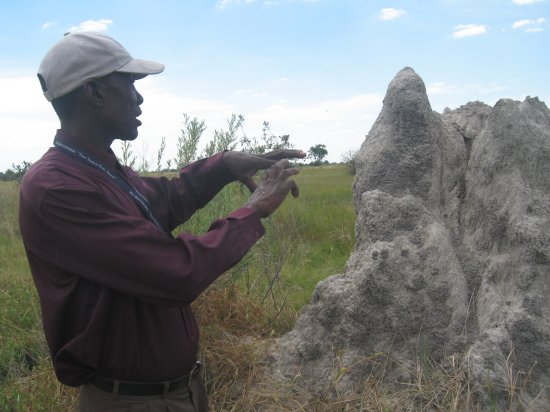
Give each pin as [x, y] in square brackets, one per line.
[141, 68]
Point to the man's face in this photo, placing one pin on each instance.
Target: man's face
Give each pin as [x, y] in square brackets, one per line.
[121, 106]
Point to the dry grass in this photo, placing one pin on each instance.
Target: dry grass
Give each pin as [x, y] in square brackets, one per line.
[236, 364]
[38, 391]
[237, 345]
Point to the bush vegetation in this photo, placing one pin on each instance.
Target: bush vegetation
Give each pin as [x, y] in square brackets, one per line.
[15, 172]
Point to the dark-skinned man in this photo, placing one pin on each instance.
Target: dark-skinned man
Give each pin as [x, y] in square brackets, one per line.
[115, 285]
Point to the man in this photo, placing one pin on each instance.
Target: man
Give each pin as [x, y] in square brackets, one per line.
[115, 286]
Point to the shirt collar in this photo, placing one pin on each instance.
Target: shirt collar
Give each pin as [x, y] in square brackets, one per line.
[106, 157]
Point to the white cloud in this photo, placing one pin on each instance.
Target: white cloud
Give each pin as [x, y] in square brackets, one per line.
[391, 14]
[523, 2]
[521, 23]
[49, 24]
[468, 30]
[100, 25]
[28, 120]
[525, 22]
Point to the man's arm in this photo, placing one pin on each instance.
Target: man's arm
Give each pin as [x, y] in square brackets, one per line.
[174, 201]
[93, 236]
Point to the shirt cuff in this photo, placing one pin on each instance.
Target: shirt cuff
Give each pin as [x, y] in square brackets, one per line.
[247, 213]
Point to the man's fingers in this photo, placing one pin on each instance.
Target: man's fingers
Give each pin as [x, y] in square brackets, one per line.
[282, 164]
[267, 160]
[278, 167]
[284, 154]
[282, 169]
[274, 188]
[294, 189]
[250, 183]
[291, 171]
[264, 163]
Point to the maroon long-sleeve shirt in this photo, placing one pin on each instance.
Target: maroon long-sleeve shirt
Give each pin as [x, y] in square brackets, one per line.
[115, 290]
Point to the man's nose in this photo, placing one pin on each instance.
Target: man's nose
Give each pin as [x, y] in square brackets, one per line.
[139, 98]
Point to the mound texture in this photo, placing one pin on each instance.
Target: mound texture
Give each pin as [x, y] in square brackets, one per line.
[452, 254]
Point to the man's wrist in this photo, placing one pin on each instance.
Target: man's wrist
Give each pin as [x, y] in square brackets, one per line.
[254, 207]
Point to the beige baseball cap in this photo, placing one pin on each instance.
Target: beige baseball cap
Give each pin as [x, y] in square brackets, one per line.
[82, 56]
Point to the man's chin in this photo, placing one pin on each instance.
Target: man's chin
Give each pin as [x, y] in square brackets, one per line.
[129, 138]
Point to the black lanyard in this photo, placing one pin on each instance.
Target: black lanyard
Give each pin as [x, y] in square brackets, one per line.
[137, 197]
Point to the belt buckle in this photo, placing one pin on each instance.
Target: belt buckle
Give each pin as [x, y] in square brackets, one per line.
[194, 372]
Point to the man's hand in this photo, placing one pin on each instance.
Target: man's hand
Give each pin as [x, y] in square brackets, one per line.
[245, 165]
[273, 188]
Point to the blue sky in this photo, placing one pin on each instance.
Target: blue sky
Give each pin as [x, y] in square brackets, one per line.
[315, 69]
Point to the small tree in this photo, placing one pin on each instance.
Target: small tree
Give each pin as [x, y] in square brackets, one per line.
[348, 159]
[266, 143]
[144, 161]
[21, 169]
[317, 153]
[16, 172]
[225, 140]
[128, 157]
[160, 153]
[188, 140]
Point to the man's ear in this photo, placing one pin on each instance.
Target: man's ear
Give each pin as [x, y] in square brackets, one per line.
[93, 91]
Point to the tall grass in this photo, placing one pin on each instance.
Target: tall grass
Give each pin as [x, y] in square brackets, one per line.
[20, 327]
[27, 382]
[307, 239]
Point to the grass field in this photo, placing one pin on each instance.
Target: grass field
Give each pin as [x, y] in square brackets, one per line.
[306, 240]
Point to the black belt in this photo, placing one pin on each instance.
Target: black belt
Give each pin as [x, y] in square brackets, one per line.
[126, 388]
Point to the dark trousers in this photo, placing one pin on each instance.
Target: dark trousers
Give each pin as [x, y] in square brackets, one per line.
[192, 399]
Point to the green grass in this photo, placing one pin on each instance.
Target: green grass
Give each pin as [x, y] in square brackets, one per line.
[22, 347]
[306, 240]
[20, 327]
